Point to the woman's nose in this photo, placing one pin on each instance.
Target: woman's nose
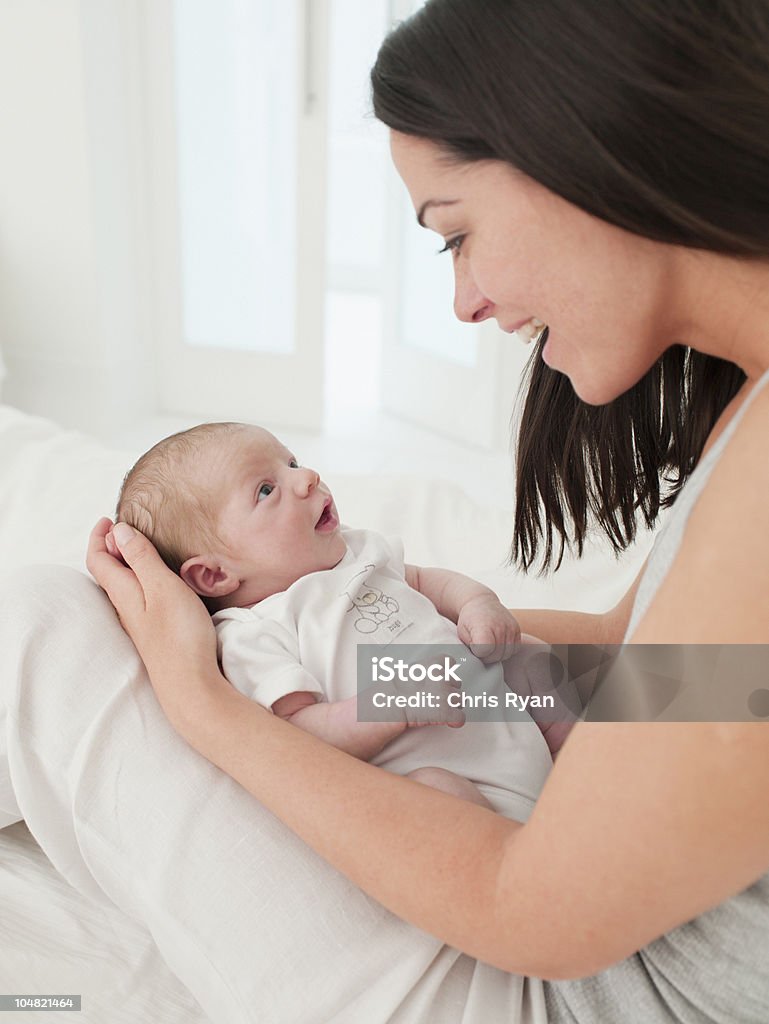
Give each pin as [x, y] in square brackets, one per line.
[470, 305]
[305, 481]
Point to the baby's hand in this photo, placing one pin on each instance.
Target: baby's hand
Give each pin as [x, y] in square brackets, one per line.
[438, 703]
[488, 628]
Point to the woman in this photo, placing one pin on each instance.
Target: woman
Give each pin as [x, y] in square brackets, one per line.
[600, 168]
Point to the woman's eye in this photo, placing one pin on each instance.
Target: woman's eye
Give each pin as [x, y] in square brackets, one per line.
[265, 490]
[453, 245]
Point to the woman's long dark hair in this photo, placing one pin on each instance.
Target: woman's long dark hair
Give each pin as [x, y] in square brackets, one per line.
[650, 114]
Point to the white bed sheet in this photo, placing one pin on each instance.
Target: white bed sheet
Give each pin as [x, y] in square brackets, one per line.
[55, 940]
[53, 485]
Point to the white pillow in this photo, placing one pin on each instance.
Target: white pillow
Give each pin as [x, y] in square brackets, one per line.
[55, 484]
[250, 919]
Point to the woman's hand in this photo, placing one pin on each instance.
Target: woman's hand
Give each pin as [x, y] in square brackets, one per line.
[167, 621]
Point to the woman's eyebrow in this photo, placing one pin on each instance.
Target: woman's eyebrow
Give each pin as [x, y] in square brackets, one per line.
[432, 202]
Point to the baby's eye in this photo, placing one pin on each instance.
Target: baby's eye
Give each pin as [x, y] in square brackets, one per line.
[453, 245]
[293, 464]
[265, 490]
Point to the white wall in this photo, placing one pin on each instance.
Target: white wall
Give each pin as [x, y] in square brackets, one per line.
[76, 247]
[73, 322]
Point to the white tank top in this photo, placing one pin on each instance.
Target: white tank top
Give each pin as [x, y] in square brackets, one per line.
[714, 968]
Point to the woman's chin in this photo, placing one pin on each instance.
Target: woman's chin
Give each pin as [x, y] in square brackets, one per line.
[596, 392]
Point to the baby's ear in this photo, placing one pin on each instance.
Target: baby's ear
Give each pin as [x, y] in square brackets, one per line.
[207, 577]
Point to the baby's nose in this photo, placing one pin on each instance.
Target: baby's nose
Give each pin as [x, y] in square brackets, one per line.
[306, 480]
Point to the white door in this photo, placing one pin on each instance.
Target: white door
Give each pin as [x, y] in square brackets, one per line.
[455, 378]
[236, 112]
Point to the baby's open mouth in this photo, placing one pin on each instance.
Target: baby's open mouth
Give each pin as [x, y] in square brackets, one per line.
[327, 517]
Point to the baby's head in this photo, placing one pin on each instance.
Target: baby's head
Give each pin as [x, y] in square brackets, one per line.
[231, 511]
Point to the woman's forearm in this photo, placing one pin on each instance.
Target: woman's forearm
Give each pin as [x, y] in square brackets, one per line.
[584, 644]
[430, 858]
[568, 627]
[555, 626]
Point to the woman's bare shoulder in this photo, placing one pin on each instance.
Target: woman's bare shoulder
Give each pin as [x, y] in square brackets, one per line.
[667, 819]
[717, 589]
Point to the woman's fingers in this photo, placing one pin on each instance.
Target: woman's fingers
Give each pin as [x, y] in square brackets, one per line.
[102, 563]
[137, 551]
[166, 620]
[96, 541]
[112, 547]
[114, 575]
[161, 589]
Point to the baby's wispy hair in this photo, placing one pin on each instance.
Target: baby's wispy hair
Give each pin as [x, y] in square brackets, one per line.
[163, 497]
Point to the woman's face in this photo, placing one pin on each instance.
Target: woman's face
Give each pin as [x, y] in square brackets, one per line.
[519, 251]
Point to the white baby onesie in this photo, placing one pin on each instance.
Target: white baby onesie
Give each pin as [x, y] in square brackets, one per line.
[305, 639]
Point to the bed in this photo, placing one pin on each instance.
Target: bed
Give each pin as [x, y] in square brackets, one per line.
[84, 909]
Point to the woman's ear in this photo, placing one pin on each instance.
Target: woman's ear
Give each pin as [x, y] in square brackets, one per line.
[207, 577]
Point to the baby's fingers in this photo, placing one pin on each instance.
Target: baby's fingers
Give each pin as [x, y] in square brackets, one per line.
[497, 643]
[486, 650]
[454, 718]
[488, 643]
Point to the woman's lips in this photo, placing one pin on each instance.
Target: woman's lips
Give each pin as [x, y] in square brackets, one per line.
[530, 329]
[517, 326]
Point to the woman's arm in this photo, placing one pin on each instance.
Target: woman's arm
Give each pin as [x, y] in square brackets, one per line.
[602, 629]
[450, 591]
[639, 827]
[607, 862]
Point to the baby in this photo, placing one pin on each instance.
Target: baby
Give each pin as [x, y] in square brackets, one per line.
[292, 593]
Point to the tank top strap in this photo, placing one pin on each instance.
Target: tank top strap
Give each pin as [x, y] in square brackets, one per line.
[669, 538]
